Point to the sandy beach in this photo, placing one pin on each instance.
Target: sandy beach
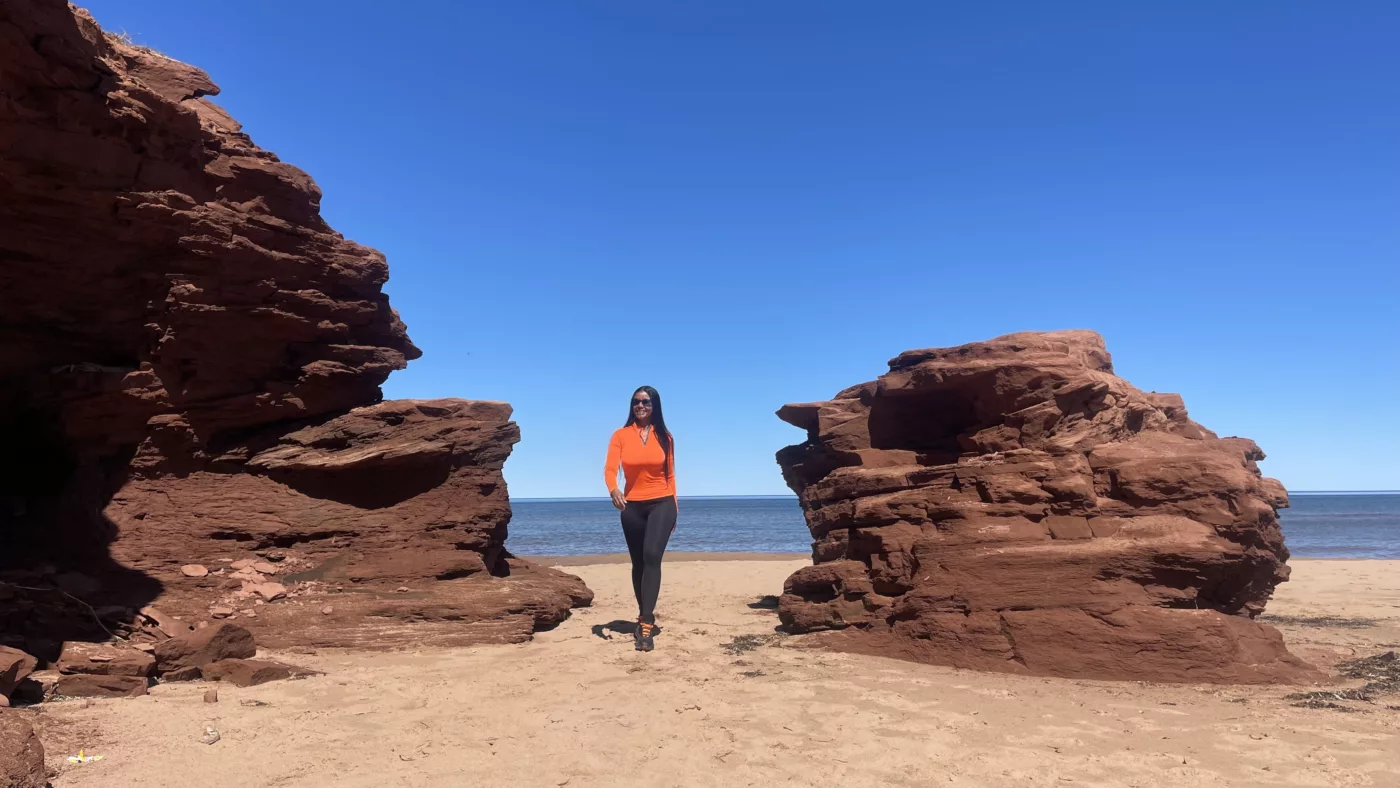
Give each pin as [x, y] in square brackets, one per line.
[727, 701]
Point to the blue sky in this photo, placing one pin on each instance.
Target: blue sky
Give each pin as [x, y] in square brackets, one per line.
[747, 204]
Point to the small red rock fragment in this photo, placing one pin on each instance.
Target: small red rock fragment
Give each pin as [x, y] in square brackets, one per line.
[247, 672]
[94, 686]
[270, 591]
[167, 624]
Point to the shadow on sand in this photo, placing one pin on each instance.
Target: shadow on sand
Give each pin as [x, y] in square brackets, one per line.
[628, 628]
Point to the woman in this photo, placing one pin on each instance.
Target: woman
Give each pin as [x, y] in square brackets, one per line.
[647, 454]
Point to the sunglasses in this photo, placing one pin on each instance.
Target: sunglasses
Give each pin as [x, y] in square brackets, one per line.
[645, 402]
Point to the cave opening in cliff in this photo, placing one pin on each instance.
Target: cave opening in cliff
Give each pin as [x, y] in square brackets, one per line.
[36, 466]
[926, 422]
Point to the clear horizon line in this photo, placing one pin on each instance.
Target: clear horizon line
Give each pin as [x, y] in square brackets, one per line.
[580, 498]
[683, 497]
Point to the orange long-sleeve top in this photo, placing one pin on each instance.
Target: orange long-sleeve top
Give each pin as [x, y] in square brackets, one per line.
[643, 465]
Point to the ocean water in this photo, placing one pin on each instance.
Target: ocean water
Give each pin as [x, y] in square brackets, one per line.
[1342, 525]
[1318, 525]
[589, 526]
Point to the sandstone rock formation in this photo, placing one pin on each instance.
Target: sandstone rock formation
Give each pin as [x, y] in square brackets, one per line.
[190, 362]
[21, 754]
[1013, 505]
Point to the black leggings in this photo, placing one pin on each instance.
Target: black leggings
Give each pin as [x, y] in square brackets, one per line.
[647, 526]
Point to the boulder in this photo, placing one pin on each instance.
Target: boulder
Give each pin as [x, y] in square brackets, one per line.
[104, 660]
[1013, 505]
[202, 646]
[15, 665]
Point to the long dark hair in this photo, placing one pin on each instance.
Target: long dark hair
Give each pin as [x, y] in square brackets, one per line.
[658, 424]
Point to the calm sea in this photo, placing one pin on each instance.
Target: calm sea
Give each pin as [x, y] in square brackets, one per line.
[1319, 525]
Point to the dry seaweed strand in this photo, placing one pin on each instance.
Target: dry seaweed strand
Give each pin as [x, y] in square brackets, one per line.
[1382, 675]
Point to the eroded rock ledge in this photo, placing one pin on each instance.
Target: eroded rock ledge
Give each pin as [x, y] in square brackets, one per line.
[190, 363]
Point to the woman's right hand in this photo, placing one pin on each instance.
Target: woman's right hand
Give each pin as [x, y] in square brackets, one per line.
[619, 499]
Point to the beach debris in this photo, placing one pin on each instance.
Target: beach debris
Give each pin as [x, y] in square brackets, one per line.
[210, 736]
[1382, 674]
[1381, 671]
[744, 643]
[83, 757]
[1327, 622]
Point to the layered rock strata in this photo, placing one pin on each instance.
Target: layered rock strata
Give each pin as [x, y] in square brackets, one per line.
[1013, 505]
[190, 363]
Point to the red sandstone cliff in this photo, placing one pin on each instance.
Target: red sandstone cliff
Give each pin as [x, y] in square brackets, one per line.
[190, 362]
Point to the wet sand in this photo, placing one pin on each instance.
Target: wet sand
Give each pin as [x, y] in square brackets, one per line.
[727, 701]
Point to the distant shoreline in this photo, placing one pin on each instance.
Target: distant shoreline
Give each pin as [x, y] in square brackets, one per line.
[1344, 492]
[600, 559]
[683, 498]
[622, 558]
[602, 499]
